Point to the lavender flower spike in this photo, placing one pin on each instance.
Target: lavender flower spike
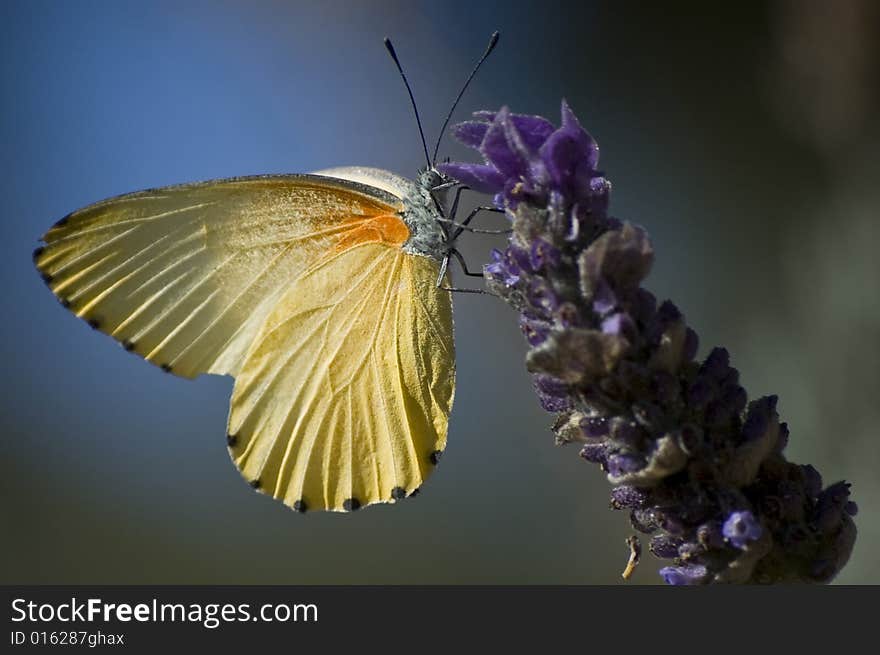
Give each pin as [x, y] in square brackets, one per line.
[693, 462]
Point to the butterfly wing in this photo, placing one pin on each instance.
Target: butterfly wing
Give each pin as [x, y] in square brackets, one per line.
[185, 275]
[297, 285]
[343, 399]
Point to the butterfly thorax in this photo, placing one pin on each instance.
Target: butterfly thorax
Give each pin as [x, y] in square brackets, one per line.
[425, 208]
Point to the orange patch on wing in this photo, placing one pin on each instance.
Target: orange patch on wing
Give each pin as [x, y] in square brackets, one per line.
[386, 228]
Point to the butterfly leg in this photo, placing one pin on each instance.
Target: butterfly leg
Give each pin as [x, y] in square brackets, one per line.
[458, 290]
[439, 206]
[460, 227]
[446, 185]
[444, 265]
[458, 256]
[463, 225]
[443, 187]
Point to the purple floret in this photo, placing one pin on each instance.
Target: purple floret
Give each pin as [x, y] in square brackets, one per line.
[742, 528]
[684, 575]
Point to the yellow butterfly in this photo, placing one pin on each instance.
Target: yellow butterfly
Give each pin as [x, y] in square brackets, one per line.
[320, 294]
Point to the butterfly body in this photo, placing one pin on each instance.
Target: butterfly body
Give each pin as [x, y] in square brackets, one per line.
[317, 293]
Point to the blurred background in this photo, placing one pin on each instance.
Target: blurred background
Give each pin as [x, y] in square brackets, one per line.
[744, 136]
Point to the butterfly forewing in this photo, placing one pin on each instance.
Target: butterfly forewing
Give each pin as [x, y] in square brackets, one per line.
[185, 275]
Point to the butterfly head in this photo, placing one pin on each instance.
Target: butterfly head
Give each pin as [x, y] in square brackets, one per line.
[436, 187]
[431, 178]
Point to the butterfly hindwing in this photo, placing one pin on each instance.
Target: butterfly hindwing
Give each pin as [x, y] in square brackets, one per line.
[344, 397]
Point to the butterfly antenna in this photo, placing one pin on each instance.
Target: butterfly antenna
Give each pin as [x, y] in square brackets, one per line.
[493, 41]
[411, 98]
